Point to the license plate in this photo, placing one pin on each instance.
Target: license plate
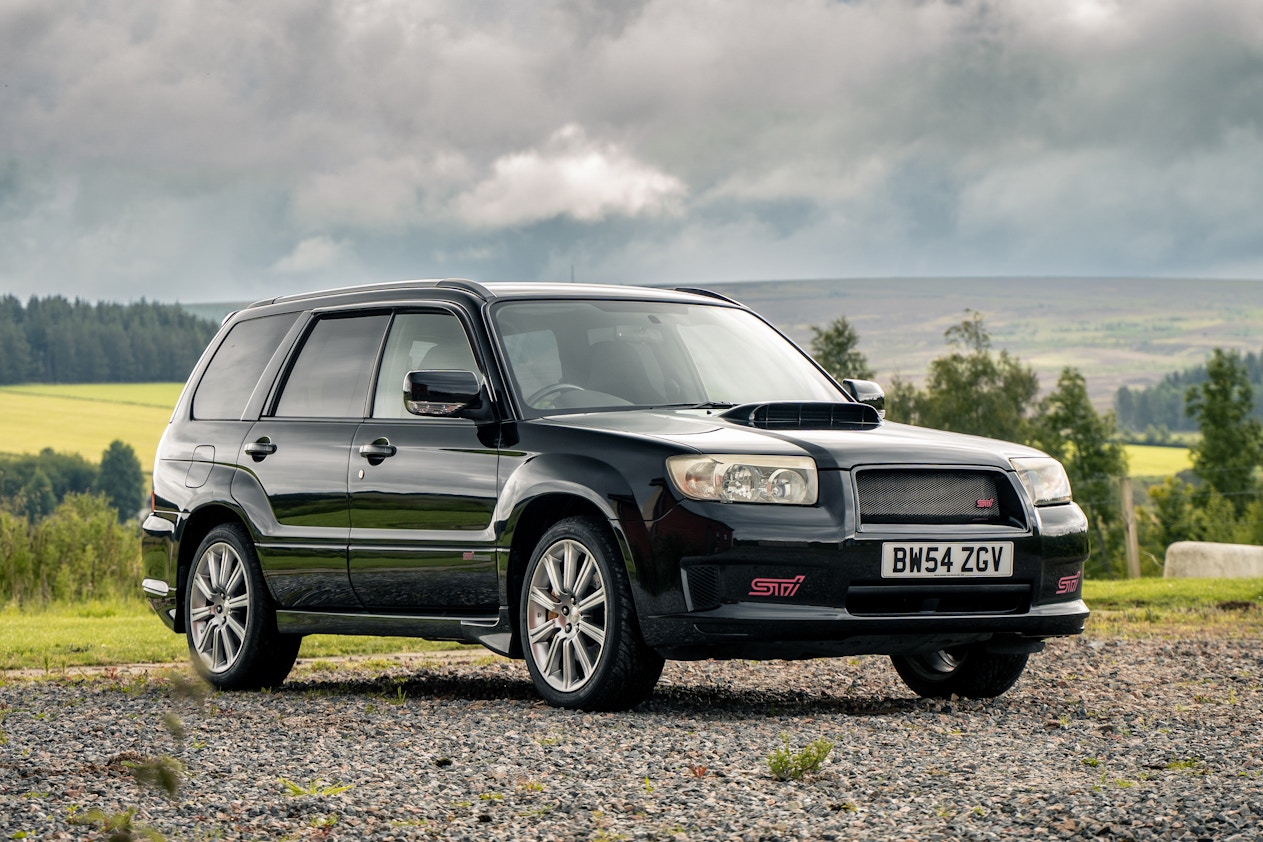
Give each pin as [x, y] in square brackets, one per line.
[992, 559]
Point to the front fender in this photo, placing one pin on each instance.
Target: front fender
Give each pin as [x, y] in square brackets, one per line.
[601, 487]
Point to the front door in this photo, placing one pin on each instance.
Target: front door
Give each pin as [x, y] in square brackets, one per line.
[422, 490]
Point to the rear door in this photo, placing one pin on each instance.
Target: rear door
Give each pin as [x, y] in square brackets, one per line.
[294, 460]
[422, 490]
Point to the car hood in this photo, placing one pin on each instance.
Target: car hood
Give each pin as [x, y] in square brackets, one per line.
[707, 431]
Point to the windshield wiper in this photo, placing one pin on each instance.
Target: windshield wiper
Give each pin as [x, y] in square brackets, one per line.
[702, 405]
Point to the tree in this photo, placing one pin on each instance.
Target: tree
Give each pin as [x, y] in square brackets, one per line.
[1067, 427]
[120, 479]
[1231, 447]
[901, 400]
[36, 499]
[54, 340]
[973, 390]
[64, 472]
[835, 348]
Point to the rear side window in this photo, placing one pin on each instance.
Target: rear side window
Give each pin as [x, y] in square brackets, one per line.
[330, 378]
[234, 371]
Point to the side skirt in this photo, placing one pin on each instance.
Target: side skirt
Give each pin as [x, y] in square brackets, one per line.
[493, 631]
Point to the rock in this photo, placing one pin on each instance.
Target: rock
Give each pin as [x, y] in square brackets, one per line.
[1206, 560]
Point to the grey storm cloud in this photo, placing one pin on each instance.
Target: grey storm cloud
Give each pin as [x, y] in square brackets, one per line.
[217, 150]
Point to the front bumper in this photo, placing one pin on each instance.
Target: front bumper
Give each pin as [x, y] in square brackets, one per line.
[754, 630]
[748, 590]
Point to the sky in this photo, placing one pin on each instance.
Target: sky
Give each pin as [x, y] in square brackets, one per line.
[202, 150]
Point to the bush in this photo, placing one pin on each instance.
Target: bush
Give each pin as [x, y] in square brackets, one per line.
[79, 552]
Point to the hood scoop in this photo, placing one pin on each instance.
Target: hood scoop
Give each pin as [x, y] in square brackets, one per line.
[817, 415]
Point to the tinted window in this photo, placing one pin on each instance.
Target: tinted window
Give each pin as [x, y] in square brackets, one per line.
[419, 342]
[234, 370]
[331, 375]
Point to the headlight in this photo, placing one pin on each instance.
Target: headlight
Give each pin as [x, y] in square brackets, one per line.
[745, 479]
[1044, 479]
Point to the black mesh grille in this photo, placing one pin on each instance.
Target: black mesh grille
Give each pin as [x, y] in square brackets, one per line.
[931, 497]
[885, 599]
[703, 587]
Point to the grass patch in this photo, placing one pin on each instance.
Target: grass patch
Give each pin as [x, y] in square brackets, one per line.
[91, 634]
[1175, 607]
[1119, 594]
[128, 632]
[1144, 460]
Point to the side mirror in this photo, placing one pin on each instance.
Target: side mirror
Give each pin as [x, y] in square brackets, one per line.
[867, 392]
[444, 394]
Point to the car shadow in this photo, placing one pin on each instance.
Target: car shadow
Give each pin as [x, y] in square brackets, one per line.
[511, 685]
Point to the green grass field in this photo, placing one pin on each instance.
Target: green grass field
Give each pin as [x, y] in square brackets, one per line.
[1149, 461]
[127, 632]
[85, 418]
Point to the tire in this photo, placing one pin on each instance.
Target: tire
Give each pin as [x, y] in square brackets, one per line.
[968, 671]
[578, 625]
[229, 620]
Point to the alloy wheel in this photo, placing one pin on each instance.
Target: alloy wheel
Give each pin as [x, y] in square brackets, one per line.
[219, 607]
[566, 615]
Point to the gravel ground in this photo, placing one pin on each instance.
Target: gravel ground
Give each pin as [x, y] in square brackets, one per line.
[1106, 738]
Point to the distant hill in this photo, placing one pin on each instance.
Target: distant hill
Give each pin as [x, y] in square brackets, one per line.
[1117, 331]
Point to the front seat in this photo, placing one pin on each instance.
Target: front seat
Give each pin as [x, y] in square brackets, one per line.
[622, 369]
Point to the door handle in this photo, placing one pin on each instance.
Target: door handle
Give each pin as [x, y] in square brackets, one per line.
[378, 451]
[261, 449]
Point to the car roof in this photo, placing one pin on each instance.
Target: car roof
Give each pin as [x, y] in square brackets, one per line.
[421, 289]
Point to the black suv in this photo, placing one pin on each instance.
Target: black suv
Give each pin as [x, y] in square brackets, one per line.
[593, 479]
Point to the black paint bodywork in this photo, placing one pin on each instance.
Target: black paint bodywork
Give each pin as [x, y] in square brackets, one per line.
[431, 540]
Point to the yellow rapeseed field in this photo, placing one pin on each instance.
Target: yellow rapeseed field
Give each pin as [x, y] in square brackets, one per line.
[1150, 461]
[85, 418]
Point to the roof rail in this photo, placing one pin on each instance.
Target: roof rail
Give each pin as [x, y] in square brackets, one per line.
[709, 294]
[468, 286]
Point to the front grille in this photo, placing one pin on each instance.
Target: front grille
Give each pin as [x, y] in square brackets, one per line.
[883, 600]
[936, 497]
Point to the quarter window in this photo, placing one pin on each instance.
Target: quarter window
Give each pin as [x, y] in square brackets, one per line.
[238, 363]
[331, 375]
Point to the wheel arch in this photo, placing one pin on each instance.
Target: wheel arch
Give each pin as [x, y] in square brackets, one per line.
[535, 517]
[196, 527]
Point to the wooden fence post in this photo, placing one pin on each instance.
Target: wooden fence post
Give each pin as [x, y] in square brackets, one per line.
[1129, 528]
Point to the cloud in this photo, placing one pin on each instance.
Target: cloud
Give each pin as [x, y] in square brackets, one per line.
[571, 176]
[311, 254]
[207, 148]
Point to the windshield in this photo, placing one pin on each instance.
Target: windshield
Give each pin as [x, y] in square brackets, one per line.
[580, 355]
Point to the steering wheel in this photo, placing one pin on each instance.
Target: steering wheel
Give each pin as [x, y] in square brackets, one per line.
[540, 398]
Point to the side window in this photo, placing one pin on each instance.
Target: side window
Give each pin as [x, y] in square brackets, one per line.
[419, 342]
[330, 377]
[234, 371]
